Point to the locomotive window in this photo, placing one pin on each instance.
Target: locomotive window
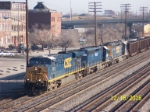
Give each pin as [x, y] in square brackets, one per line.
[53, 75]
[53, 63]
[38, 61]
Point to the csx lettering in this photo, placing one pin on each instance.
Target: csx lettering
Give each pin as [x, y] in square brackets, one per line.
[67, 63]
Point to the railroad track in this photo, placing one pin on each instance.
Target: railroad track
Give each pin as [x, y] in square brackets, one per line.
[115, 92]
[62, 97]
[137, 99]
[55, 96]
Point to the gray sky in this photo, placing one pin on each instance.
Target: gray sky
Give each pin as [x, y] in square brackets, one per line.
[81, 6]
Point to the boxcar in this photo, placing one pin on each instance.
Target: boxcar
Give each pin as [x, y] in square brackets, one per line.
[142, 44]
[148, 42]
[133, 47]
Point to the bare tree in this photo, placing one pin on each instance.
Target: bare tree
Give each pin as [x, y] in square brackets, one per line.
[106, 33]
[40, 35]
[65, 42]
[68, 39]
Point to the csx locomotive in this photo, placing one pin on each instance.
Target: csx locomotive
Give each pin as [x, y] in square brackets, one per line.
[49, 72]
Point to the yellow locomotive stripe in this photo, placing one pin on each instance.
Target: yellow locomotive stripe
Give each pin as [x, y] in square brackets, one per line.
[65, 75]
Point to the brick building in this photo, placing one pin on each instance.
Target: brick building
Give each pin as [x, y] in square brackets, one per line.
[12, 27]
[41, 15]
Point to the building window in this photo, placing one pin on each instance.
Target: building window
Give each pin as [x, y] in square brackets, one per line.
[59, 19]
[14, 17]
[8, 39]
[3, 27]
[9, 27]
[0, 27]
[6, 29]
[53, 18]
[0, 16]
[20, 17]
[12, 28]
[3, 15]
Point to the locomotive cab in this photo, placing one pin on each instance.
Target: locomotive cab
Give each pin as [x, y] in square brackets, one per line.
[36, 77]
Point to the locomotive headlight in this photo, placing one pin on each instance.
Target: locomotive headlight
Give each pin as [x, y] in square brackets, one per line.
[39, 79]
[35, 68]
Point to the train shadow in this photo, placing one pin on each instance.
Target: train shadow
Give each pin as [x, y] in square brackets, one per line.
[11, 85]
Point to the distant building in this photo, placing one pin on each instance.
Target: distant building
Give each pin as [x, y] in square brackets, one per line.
[82, 28]
[12, 23]
[41, 15]
[147, 30]
[109, 12]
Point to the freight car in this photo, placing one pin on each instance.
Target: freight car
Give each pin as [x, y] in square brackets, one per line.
[138, 45]
[49, 72]
[133, 47]
[148, 42]
[142, 44]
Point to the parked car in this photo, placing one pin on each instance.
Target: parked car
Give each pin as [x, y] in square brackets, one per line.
[21, 48]
[6, 53]
[1, 50]
[12, 47]
[36, 47]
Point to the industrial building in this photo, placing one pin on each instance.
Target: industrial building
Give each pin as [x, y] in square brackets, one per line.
[12, 23]
[41, 15]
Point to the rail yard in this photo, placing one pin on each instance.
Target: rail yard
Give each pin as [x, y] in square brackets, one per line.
[51, 65]
[93, 93]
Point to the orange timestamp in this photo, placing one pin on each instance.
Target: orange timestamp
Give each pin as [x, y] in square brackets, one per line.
[125, 97]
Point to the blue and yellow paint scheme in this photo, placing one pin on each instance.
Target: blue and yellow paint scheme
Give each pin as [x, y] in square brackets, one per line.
[49, 71]
[115, 49]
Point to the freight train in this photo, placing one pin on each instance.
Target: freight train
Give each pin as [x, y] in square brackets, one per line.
[45, 73]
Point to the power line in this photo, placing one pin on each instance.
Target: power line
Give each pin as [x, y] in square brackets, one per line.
[70, 12]
[126, 8]
[143, 10]
[95, 7]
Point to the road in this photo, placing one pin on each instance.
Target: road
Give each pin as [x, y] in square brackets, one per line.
[12, 71]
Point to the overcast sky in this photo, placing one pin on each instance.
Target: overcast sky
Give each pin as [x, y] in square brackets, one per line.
[81, 6]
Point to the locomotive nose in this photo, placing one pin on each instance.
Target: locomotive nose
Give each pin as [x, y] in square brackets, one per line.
[36, 74]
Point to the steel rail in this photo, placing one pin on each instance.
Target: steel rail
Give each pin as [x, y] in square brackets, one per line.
[80, 80]
[102, 99]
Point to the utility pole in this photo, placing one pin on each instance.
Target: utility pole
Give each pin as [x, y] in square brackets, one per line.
[27, 45]
[70, 12]
[18, 24]
[143, 10]
[126, 8]
[121, 17]
[95, 7]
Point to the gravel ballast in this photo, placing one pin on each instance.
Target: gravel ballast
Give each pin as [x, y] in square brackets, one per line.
[77, 99]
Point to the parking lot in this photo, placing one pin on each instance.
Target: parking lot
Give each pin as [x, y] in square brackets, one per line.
[11, 74]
